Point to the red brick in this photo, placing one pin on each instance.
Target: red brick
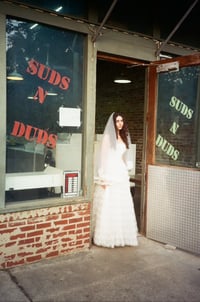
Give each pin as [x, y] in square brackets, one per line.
[14, 263]
[66, 250]
[51, 242]
[42, 250]
[75, 220]
[27, 228]
[82, 225]
[37, 245]
[34, 234]
[3, 225]
[61, 222]
[52, 230]
[84, 213]
[82, 236]
[37, 239]
[3, 265]
[24, 254]
[26, 241]
[66, 239]
[17, 236]
[86, 230]
[67, 215]
[60, 234]
[7, 231]
[69, 227]
[35, 220]
[73, 232]
[10, 243]
[16, 223]
[87, 218]
[10, 257]
[87, 240]
[34, 258]
[75, 242]
[52, 217]
[43, 225]
[52, 254]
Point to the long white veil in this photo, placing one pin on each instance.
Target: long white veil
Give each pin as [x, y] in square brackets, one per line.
[105, 159]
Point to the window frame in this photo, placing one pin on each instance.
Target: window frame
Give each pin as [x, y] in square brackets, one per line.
[88, 114]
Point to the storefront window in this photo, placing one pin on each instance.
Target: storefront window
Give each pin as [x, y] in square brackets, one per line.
[44, 111]
[178, 118]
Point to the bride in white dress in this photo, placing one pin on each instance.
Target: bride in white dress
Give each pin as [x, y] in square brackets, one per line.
[113, 221]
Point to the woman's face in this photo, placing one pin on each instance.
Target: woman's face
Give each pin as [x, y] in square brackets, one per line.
[119, 122]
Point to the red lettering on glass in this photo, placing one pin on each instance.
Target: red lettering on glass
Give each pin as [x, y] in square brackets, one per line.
[40, 94]
[54, 78]
[42, 137]
[31, 133]
[52, 141]
[65, 81]
[18, 129]
[45, 73]
[32, 67]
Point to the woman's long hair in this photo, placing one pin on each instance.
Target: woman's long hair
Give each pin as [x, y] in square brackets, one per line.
[124, 131]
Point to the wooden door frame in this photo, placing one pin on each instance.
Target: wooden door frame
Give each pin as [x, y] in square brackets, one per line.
[151, 114]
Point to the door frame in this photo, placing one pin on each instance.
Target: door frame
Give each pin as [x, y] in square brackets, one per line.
[143, 64]
[151, 115]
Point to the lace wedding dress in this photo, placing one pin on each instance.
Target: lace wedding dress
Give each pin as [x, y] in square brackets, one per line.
[114, 221]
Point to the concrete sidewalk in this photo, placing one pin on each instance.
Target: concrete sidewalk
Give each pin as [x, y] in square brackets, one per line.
[149, 272]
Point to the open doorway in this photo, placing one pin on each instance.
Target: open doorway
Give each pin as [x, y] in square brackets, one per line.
[126, 98]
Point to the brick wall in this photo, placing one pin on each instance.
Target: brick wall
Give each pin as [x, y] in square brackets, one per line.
[34, 235]
[125, 98]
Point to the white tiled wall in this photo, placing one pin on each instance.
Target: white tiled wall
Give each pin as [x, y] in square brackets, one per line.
[173, 207]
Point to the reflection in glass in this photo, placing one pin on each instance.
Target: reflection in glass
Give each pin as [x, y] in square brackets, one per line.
[51, 63]
[177, 140]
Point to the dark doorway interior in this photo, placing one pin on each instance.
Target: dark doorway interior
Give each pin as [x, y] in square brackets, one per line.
[125, 98]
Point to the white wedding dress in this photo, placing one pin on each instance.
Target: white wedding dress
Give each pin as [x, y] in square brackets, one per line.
[114, 222]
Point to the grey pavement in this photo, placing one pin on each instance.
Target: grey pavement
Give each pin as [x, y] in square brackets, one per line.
[150, 272]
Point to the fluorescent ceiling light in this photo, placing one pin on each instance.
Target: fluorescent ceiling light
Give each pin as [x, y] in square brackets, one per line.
[165, 56]
[34, 25]
[15, 76]
[58, 9]
[32, 98]
[122, 81]
[51, 93]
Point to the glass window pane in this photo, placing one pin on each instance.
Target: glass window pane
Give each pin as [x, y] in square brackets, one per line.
[178, 117]
[44, 121]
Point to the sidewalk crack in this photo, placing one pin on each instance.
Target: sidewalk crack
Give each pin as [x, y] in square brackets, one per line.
[15, 280]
